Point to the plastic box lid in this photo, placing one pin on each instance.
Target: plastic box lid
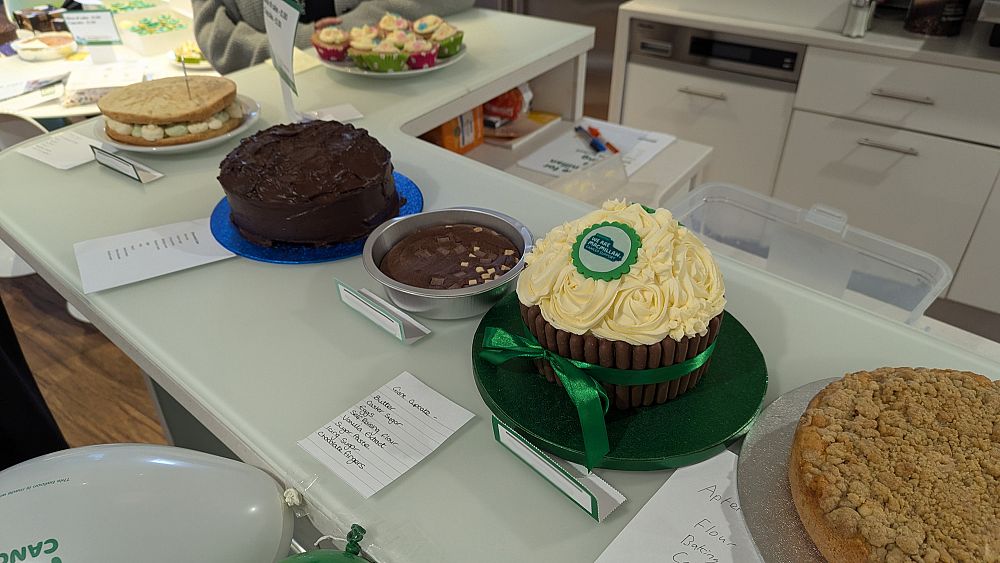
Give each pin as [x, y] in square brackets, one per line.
[816, 248]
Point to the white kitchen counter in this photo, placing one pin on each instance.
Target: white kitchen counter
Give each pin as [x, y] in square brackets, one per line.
[263, 354]
[887, 38]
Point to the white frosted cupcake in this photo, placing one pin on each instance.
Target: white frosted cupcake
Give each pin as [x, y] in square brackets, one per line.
[627, 288]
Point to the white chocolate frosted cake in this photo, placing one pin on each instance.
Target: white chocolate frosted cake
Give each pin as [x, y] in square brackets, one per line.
[624, 287]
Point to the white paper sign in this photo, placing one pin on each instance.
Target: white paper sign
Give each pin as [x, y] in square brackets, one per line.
[342, 112]
[93, 27]
[695, 517]
[102, 76]
[281, 19]
[62, 151]
[385, 434]
[570, 152]
[593, 494]
[140, 255]
[33, 98]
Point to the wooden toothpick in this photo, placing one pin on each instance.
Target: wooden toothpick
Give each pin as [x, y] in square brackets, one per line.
[186, 81]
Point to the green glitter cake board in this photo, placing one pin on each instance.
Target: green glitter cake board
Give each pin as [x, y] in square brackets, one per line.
[691, 428]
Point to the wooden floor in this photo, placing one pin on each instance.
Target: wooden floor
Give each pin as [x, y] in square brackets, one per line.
[96, 393]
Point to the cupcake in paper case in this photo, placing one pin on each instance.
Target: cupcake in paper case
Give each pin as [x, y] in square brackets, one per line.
[449, 40]
[422, 54]
[385, 57]
[363, 32]
[392, 22]
[623, 287]
[427, 25]
[399, 38]
[331, 43]
[360, 50]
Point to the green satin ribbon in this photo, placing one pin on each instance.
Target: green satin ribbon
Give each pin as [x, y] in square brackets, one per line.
[589, 398]
[580, 379]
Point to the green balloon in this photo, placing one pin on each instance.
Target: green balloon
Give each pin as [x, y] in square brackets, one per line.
[324, 556]
[351, 553]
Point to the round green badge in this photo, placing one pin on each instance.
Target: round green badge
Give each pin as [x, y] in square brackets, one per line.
[606, 251]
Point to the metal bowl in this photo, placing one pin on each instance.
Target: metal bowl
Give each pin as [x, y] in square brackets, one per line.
[445, 303]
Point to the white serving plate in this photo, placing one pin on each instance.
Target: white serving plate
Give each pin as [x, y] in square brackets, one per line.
[349, 68]
[251, 109]
[28, 52]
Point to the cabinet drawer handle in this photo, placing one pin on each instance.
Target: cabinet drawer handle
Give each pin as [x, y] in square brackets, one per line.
[888, 147]
[927, 101]
[702, 93]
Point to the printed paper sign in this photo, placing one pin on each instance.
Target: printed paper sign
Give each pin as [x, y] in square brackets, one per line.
[62, 151]
[93, 27]
[281, 18]
[593, 494]
[385, 434]
[695, 517]
[570, 152]
[385, 315]
[140, 255]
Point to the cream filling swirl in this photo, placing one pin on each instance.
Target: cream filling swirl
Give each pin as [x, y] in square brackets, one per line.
[672, 291]
[156, 132]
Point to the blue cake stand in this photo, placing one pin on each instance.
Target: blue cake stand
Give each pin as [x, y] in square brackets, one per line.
[229, 236]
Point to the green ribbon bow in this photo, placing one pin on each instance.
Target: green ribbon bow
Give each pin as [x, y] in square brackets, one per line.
[581, 381]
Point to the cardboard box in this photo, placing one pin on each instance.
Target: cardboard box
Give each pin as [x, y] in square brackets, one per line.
[461, 134]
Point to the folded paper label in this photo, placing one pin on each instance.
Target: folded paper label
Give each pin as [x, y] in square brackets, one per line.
[385, 434]
[594, 495]
[385, 315]
[695, 517]
[131, 168]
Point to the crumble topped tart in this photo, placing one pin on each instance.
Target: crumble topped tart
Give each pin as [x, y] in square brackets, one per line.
[901, 464]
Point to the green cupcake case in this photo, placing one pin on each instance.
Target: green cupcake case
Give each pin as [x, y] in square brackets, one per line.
[450, 46]
[386, 62]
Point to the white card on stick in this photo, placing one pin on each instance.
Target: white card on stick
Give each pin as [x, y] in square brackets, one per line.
[385, 434]
[93, 27]
[140, 255]
[694, 517]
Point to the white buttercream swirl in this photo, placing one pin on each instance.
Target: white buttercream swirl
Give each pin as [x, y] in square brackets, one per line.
[673, 290]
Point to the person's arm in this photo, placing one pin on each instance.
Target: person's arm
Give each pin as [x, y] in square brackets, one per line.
[369, 11]
[232, 45]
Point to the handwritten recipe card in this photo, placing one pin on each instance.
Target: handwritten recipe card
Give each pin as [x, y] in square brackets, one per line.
[385, 434]
[695, 517]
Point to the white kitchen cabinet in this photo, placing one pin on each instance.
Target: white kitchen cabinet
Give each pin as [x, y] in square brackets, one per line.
[941, 100]
[744, 121]
[920, 190]
[978, 278]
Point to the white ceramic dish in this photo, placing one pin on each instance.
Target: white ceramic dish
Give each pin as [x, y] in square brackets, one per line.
[251, 110]
[32, 49]
[349, 68]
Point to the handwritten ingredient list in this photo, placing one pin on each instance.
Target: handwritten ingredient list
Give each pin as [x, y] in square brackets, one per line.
[695, 517]
[385, 434]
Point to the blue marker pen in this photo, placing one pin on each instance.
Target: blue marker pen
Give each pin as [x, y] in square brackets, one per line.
[594, 142]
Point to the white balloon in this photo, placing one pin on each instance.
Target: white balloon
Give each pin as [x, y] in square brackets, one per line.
[129, 503]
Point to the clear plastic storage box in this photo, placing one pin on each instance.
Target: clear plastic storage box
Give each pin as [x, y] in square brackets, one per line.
[815, 247]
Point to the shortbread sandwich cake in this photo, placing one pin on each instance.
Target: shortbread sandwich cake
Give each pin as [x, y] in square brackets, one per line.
[162, 112]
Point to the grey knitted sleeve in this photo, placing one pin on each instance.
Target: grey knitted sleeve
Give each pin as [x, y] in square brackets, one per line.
[369, 11]
[231, 33]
